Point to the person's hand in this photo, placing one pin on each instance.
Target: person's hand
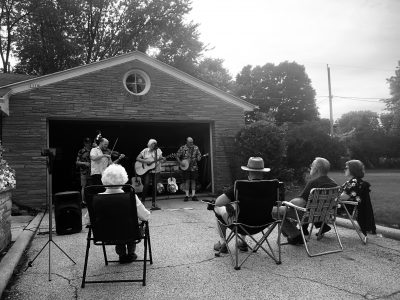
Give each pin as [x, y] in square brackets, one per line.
[121, 156]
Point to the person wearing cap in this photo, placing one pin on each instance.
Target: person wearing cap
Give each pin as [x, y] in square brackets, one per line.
[189, 152]
[151, 153]
[83, 162]
[226, 211]
[318, 179]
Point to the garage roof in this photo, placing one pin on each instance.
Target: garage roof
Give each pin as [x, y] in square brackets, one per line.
[10, 89]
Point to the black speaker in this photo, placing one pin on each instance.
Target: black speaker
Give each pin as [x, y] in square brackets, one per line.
[68, 212]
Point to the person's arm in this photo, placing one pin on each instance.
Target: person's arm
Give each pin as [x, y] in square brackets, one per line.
[140, 157]
[96, 155]
[198, 154]
[121, 156]
[142, 212]
[80, 163]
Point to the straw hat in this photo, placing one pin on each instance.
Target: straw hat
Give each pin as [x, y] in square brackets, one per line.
[255, 164]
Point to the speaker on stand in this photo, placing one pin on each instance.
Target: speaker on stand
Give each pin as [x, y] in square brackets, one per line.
[68, 212]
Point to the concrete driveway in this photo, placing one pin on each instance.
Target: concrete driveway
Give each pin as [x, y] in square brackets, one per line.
[185, 267]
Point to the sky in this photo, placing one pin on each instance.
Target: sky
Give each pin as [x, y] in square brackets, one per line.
[358, 39]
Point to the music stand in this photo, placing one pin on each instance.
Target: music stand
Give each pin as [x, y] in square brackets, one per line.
[50, 155]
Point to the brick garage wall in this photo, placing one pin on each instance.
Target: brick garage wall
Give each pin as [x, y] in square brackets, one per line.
[101, 96]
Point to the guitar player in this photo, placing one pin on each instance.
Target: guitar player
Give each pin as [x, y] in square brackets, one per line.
[191, 153]
[147, 156]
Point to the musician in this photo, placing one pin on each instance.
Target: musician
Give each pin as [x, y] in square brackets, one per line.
[148, 156]
[100, 157]
[192, 153]
[83, 162]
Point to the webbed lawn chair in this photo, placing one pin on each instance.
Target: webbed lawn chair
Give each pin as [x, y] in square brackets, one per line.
[255, 200]
[113, 221]
[321, 208]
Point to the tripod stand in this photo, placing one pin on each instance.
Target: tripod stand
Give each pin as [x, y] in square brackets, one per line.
[50, 155]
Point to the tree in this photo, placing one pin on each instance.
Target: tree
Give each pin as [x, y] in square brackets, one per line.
[285, 90]
[393, 103]
[12, 12]
[67, 33]
[360, 120]
[309, 140]
[211, 70]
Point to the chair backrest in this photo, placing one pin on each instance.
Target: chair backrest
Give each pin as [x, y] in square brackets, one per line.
[321, 204]
[256, 200]
[113, 217]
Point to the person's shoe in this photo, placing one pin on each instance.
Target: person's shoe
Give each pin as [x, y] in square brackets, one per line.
[186, 199]
[123, 259]
[155, 207]
[194, 198]
[131, 257]
[325, 229]
[297, 240]
[305, 229]
[242, 246]
[220, 247]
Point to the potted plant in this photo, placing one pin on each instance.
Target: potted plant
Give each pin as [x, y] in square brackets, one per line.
[7, 184]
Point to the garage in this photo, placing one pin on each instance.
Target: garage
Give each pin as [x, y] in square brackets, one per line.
[130, 138]
[130, 98]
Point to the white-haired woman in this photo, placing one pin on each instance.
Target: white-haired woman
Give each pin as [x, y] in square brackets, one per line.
[147, 156]
[114, 175]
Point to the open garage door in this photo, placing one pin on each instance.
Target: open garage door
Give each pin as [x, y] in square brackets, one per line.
[67, 137]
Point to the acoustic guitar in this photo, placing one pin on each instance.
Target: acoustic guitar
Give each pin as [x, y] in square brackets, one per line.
[185, 163]
[142, 168]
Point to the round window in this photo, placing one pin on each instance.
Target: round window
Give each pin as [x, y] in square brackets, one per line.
[137, 82]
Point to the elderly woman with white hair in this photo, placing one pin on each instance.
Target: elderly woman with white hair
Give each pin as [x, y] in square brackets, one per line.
[114, 175]
[147, 156]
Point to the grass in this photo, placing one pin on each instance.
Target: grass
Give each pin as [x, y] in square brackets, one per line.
[385, 194]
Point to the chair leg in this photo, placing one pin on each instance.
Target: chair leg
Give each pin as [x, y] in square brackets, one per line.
[105, 254]
[362, 237]
[86, 258]
[145, 259]
[147, 231]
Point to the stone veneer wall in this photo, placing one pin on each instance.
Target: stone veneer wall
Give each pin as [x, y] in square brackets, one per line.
[5, 219]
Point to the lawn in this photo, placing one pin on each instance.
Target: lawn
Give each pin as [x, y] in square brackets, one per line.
[385, 194]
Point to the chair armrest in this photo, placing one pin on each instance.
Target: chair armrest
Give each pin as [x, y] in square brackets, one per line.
[355, 203]
[294, 206]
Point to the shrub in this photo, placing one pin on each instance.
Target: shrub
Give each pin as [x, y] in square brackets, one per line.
[7, 174]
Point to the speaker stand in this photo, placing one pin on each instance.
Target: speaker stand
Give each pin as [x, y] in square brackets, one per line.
[50, 159]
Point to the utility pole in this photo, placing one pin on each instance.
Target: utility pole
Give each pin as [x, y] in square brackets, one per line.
[330, 99]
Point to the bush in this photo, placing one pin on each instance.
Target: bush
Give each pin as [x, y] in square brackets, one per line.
[263, 139]
[7, 174]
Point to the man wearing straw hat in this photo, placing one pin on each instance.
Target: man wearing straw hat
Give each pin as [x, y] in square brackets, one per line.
[226, 211]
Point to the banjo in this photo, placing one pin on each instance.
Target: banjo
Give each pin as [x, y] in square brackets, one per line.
[185, 163]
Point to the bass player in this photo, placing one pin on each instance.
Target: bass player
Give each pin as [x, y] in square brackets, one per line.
[148, 156]
[189, 153]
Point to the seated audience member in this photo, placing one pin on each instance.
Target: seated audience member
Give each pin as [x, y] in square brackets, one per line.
[113, 175]
[356, 189]
[318, 179]
[226, 211]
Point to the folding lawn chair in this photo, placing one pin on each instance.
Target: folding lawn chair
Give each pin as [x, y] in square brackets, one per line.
[361, 211]
[255, 200]
[320, 208]
[113, 221]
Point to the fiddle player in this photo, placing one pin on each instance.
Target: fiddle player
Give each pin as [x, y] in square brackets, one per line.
[189, 152]
[100, 158]
[148, 155]
[83, 162]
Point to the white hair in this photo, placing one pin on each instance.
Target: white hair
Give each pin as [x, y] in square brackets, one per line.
[114, 175]
[151, 141]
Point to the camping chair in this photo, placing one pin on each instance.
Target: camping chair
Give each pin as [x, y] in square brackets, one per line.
[113, 221]
[255, 200]
[320, 208]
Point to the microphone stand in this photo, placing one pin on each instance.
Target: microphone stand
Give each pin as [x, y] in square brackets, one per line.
[153, 202]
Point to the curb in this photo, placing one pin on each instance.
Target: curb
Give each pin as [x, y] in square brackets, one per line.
[10, 261]
[391, 233]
